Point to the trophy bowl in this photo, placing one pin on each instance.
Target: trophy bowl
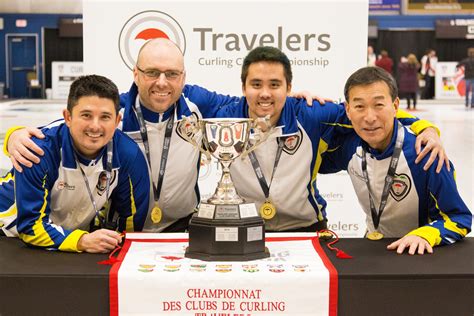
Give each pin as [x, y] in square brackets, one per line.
[226, 227]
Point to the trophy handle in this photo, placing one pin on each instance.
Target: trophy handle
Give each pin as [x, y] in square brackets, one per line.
[260, 133]
[194, 123]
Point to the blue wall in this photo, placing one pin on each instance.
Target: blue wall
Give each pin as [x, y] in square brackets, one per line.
[386, 22]
[34, 24]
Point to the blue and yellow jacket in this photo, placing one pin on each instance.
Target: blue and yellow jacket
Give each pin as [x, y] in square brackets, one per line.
[49, 206]
[420, 203]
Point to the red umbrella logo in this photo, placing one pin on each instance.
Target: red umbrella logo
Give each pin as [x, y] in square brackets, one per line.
[151, 34]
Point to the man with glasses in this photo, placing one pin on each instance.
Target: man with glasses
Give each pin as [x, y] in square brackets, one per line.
[152, 110]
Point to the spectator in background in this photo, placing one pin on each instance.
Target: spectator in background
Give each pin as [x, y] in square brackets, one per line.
[371, 57]
[408, 79]
[428, 69]
[385, 62]
[468, 64]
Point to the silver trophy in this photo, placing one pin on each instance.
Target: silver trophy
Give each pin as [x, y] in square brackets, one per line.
[226, 227]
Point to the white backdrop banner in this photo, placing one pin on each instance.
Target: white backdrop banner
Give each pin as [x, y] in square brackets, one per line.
[325, 40]
[63, 73]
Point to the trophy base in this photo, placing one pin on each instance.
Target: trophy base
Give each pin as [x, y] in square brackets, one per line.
[227, 239]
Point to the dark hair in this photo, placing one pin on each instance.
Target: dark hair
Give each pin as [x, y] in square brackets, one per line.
[92, 85]
[267, 54]
[368, 75]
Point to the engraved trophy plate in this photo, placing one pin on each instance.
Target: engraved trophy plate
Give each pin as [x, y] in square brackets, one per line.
[226, 227]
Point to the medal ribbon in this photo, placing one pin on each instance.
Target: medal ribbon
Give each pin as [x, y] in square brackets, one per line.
[388, 178]
[164, 153]
[108, 172]
[258, 170]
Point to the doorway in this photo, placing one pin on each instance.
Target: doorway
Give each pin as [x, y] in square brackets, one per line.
[22, 63]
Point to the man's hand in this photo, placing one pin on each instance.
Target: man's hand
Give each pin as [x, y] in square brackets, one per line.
[429, 137]
[100, 241]
[309, 97]
[22, 149]
[413, 243]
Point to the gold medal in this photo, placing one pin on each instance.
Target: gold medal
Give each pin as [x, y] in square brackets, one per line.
[325, 235]
[375, 235]
[267, 210]
[156, 214]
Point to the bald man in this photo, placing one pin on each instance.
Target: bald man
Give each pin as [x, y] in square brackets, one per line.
[151, 112]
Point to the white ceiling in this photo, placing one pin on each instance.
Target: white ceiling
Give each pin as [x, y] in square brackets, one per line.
[41, 6]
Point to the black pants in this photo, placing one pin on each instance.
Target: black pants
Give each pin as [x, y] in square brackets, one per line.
[410, 96]
[429, 90]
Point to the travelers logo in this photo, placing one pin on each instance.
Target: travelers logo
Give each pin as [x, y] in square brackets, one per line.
[400, 187]
[144, 26]
[63, 185]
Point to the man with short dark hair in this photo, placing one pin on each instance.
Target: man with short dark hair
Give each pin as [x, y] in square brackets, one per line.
[399, 198]
[88, 168]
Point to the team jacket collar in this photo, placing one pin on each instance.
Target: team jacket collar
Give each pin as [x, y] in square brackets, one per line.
[67, 151]
[389, 150]
[130, 120]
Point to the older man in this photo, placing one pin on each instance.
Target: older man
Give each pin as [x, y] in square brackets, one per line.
[399, 198]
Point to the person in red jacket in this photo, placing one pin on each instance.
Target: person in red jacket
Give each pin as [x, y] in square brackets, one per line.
[408, 79]
[385, 62]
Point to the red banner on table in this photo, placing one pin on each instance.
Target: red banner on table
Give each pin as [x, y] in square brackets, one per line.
[153, 277]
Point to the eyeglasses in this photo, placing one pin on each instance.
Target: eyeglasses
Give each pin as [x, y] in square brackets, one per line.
[155, 73]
